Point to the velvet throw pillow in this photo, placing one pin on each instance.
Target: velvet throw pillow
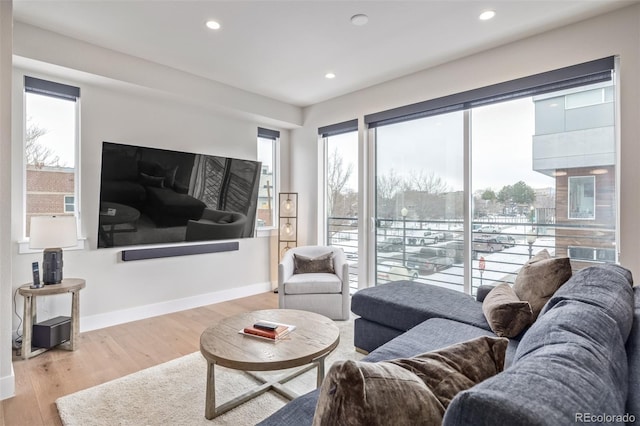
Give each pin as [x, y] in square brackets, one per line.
[539, 278]
[170, 176]
[408, 391]
[156, 181]
[506, 314]
[309, 265]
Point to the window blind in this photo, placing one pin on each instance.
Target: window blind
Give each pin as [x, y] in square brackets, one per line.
[564, 78]
[339, 128]
[268, 133]
[50, 88]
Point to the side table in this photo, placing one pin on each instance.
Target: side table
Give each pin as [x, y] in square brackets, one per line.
[68, 285]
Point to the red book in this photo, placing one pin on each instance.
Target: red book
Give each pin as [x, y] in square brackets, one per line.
[279, 332]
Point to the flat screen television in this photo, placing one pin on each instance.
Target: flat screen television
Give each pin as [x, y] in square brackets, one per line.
[151, 196]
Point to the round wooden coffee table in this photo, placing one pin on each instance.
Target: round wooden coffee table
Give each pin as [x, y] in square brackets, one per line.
[309, 344]
[112, 214]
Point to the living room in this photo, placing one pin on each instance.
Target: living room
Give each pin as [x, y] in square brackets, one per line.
[131, 100]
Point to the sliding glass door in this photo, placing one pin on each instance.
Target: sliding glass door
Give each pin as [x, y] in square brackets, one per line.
[341, 196]
[467, 192]
[419, 200]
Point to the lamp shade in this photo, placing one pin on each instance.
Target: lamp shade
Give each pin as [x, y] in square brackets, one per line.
[53, 231]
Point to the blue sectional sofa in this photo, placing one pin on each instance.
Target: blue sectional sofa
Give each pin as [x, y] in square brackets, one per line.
[578, 363]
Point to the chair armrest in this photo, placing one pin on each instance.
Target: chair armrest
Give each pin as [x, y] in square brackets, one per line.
[341, 267]
[285, 269]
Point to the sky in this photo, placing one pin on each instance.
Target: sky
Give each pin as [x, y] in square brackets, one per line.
[58, 117]
[501, 150]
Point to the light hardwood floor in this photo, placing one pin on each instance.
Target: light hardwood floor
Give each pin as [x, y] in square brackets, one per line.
[109, 353]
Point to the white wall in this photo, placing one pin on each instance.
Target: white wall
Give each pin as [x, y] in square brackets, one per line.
[7, 382]
[616, 33]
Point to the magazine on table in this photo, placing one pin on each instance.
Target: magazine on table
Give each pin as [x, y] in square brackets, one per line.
[268, 330]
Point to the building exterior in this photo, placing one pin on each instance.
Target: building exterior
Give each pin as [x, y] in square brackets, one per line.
[265, 197]
[50, 191]
[574, 142]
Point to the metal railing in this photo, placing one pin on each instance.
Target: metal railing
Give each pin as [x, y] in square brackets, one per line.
[405, 249]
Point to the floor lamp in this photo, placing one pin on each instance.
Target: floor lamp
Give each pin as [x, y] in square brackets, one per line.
[288, 221]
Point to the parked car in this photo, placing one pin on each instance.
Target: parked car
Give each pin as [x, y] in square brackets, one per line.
[391, 271]
[486, 243]
[488, 229]
[431, 237]
[431, 259]
[390, 244]
[506, 240]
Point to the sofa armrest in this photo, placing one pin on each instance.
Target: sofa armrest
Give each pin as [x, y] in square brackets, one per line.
[482, 291]
[180, 189]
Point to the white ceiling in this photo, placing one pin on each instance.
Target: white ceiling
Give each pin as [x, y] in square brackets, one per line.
[282, 49]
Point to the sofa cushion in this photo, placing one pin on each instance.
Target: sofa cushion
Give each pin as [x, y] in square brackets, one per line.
[432, 335]
[540, 277]
[313, 284]
[308, 265]
[117, 166]
[570, 361]
[406, 391]
[405, 304]
[608, 287]
[506, 314]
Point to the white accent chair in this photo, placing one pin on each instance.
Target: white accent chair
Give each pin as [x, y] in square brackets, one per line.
[323, 293]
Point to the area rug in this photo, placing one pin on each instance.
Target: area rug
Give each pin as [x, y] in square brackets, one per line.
[173, 393]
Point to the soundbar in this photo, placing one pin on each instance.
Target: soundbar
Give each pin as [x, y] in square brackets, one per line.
[159, 252]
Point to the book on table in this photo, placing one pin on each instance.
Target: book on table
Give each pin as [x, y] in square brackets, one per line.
[268, 330]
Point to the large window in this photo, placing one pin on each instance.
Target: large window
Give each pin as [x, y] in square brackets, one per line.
[267, 154]
[50, 149]
[582, 200]
[419, 200]
[340, 146]
[471, 186]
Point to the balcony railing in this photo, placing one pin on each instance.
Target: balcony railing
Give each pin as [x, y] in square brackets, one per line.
[433, 251]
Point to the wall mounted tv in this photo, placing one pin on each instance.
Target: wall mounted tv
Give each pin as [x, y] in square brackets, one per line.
[151, 196]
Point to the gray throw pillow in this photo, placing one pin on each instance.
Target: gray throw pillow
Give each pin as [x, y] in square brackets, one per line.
[309, 265]
[540, 277]
[408, 391]
[506, 314]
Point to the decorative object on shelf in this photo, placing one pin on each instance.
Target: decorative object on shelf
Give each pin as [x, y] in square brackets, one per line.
[288, 221]
[52, 233]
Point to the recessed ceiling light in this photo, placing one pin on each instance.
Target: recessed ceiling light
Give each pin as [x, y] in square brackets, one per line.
[214, 25]
[486, 15]
[329, 75]
[559, 173]
[360, 19]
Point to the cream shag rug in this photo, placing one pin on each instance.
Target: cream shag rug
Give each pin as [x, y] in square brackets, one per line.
[173, 393]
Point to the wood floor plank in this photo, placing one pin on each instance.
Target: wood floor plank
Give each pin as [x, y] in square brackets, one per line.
[109, 353]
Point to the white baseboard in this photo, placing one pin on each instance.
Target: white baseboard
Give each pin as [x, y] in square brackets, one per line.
[94, 322]
[8, 385]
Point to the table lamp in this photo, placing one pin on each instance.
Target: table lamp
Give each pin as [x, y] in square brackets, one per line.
[51, 233]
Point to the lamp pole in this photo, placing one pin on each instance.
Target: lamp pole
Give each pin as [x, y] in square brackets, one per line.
[404, 212]
[531, 238]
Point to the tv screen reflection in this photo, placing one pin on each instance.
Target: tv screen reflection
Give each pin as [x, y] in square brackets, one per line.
[151, 196]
